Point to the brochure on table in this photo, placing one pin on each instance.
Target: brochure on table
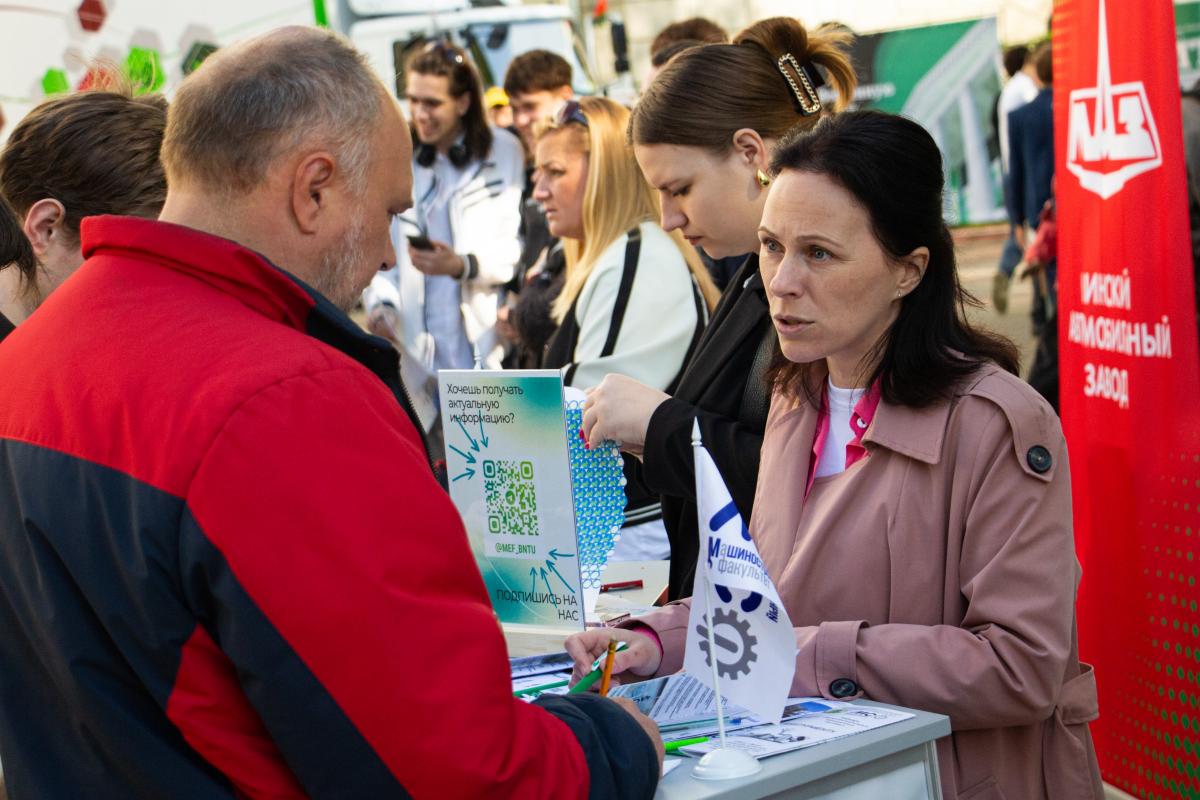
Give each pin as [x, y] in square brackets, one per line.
[685, 709]
[538, 507]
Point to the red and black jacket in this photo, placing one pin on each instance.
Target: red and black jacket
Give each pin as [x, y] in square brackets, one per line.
[226, 569]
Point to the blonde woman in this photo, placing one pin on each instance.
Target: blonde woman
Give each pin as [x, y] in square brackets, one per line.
[636, 298]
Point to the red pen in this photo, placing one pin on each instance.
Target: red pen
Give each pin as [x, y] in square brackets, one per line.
[616, 587]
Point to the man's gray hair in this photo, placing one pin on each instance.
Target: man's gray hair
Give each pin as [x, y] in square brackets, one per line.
[253, 102]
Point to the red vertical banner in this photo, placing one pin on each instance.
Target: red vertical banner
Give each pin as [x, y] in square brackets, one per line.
[1130, 383]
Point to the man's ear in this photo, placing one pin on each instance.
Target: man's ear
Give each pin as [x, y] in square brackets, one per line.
[749, 148]
[43, 222]
[565, 92]
[912, 269]
[462, 104]
[312, 182]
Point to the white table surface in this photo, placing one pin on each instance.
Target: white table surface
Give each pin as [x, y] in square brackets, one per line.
[779, 772]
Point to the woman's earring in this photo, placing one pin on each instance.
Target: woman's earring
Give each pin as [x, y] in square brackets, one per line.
[763, 178]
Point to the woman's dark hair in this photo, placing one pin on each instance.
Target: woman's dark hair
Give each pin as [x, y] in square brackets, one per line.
[1015, 58]
[707, 93]
[445, 59]
[15, 249]
[893, 168]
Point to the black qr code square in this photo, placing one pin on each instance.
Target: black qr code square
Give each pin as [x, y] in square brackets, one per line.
[510, 496]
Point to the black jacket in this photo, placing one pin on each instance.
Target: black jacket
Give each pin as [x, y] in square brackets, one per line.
[6, 327]
[724, 386]
[1030, 159]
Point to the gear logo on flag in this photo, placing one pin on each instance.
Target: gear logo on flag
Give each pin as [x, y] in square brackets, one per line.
[743, 648]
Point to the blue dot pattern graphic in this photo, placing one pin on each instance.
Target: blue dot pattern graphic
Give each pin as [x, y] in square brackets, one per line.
[598, 484]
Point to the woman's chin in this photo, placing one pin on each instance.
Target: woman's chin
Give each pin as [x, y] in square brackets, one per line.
[798, 353]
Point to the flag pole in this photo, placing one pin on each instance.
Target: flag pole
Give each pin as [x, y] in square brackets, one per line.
[697, 443]
[720, 764]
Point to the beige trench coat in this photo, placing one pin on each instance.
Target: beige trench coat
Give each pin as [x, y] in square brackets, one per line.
[938, 573]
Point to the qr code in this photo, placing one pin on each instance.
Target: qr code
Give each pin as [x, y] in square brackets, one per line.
[511, 499]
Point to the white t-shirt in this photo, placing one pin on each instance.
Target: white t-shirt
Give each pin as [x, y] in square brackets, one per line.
[841, 403]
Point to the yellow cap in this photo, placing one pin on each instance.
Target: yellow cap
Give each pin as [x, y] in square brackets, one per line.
[494, 97]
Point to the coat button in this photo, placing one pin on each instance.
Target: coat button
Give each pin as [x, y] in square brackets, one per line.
[1039, 459]
[843, 687]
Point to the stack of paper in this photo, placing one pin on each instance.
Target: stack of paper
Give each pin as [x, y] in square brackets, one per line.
[685, 708]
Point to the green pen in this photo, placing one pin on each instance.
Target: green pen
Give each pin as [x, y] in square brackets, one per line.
[542, 688]
[586, 681]
[672, 747]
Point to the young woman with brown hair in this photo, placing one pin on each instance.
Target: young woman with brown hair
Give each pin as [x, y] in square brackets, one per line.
[702, 134]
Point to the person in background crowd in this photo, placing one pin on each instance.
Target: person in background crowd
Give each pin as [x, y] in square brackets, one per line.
[914, 502]
[679, 36]
[1031, 174]
[709, 167]
[1041, 259]
[95, 152]
[635, 298]
[538, 83]
[459, 245]
[499, 111]
[1020, 89]
[695, 29]
[206, 591]
[15, 253]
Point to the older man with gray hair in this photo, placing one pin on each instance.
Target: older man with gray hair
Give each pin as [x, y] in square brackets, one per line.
[209, 587]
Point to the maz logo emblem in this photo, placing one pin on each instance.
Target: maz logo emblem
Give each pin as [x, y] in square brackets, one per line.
[1111, 136]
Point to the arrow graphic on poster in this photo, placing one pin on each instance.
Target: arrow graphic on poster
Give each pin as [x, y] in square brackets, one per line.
[549, 591]
[532, 580]
[471, 439]
[553, 569]
[470, 457]
[470, 473]
[482, 436]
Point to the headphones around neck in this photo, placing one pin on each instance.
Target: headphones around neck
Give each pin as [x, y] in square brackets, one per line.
[459, 155]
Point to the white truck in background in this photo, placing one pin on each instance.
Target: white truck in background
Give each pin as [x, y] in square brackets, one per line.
[48, 47]
[492, 32]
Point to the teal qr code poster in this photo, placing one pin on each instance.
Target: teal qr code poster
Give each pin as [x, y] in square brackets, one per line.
[509, 471]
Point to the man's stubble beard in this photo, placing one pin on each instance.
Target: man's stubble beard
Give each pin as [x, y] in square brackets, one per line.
[338, 279]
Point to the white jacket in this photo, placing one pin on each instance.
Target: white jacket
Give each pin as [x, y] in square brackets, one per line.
[660, 316]
[484, 218]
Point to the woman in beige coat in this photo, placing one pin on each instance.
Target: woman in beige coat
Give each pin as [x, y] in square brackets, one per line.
[915, 499]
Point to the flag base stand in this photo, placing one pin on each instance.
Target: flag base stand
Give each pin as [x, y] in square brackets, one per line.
[725, 764]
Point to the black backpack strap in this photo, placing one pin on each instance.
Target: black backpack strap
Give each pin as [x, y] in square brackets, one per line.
[633, 249]
[560, 350]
